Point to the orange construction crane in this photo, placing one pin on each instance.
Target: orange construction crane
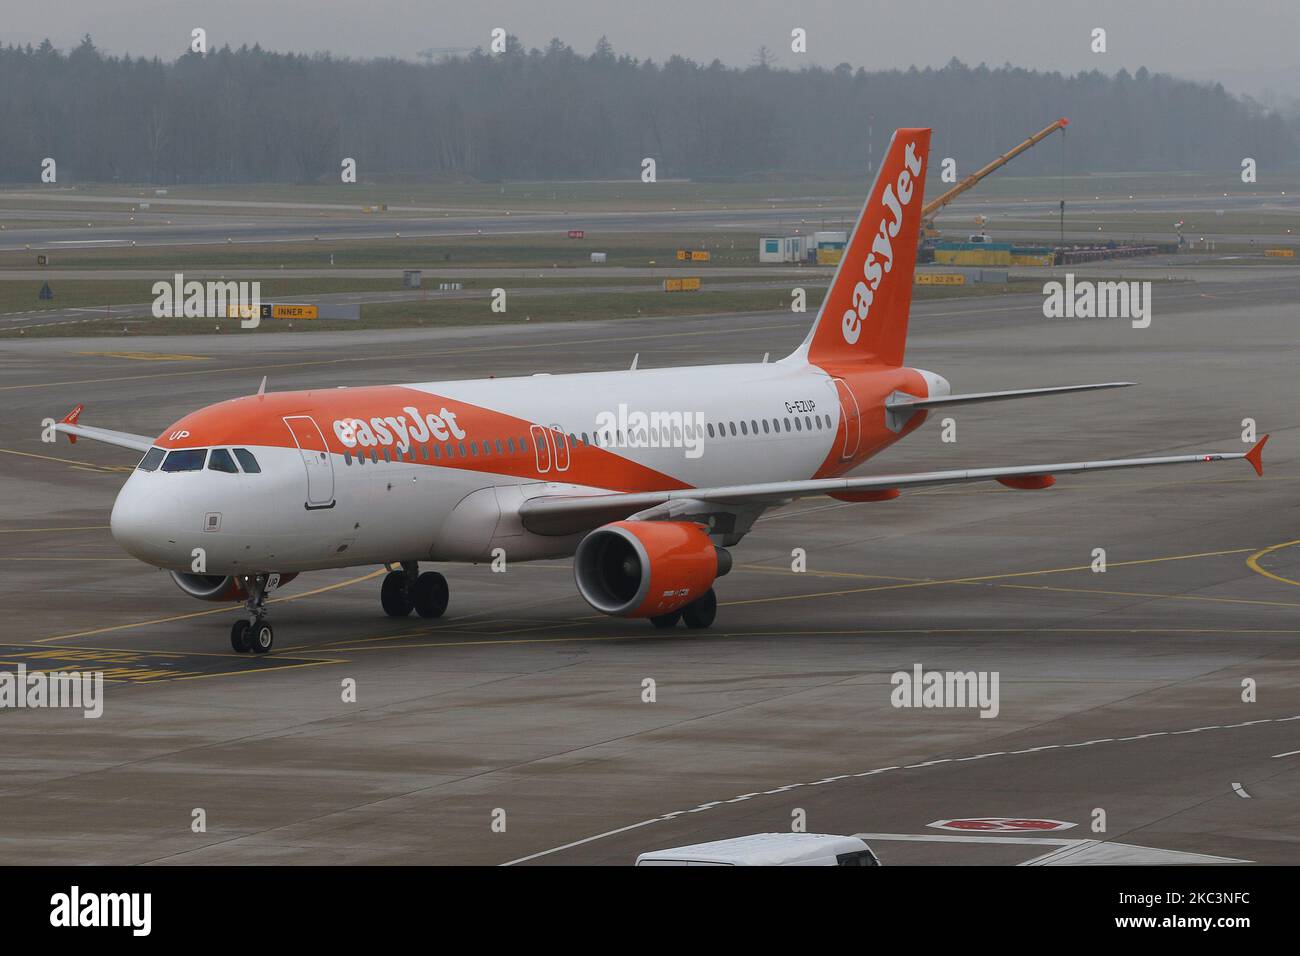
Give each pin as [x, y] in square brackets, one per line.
[928, 229]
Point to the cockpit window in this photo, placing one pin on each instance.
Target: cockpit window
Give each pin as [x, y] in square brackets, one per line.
[151, 459]
[185, 459]
[220, 460]
[247, 461]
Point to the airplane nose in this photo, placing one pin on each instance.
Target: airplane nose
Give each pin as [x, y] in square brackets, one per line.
[134, 523]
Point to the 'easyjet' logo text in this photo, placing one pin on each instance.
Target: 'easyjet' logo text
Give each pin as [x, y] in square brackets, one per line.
[398, 429]
[881, 258]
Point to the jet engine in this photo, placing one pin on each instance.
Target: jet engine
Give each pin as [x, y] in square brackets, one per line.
[647, 568]
[219, 587]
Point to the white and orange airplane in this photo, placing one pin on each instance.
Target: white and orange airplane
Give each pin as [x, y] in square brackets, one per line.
[645, 476]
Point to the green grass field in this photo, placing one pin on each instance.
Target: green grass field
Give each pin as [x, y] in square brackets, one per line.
[542, 251]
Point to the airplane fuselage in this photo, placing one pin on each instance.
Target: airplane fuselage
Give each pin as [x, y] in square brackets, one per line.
[437, 471]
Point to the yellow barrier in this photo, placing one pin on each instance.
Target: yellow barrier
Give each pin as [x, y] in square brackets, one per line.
[940, 278]
[973, 257]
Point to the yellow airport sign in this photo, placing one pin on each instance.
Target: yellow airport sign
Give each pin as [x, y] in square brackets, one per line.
[687, 255]
[940, 278]
[294, 311]
[682, 285]
[1280, 253]
[270, 310]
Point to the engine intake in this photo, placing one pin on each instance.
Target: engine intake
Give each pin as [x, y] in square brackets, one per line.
[221, 587]
[647, 568]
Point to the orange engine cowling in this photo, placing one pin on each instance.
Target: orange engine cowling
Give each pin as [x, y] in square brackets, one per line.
[647, 568]
[222, 587]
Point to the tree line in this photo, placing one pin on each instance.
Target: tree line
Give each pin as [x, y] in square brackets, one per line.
[251, 115]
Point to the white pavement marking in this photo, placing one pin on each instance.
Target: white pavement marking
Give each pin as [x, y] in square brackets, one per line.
[1067, 851]
[1289, 753]
[1240, 790]
[866, 773]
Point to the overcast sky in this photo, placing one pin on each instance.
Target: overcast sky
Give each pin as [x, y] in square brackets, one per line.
[1251, 45]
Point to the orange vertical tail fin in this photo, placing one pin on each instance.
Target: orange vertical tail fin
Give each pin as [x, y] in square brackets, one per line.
[863, 319]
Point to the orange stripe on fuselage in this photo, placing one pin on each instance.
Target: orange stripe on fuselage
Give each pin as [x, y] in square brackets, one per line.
[259, 420]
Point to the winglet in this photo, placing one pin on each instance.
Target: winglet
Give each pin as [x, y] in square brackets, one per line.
[1256, 456]
[71, 419]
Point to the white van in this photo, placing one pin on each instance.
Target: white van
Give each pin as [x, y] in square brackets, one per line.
[768, 849]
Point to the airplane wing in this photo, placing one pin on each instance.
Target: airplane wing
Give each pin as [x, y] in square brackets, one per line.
[68, 426]
[560, 515]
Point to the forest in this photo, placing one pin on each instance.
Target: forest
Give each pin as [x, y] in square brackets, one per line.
[250, 115]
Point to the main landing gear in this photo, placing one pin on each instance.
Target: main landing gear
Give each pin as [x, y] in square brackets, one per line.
[254, 634]
[408, 590]
[698, 614]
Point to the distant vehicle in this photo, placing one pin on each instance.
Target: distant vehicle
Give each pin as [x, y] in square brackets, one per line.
[980, 237]
[768, 849]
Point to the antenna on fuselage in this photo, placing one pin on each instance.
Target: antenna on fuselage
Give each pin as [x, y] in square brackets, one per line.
[261, 389]
[766, 355]
[635, 359]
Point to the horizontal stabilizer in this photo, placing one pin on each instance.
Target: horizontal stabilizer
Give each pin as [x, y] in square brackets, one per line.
[903, 403]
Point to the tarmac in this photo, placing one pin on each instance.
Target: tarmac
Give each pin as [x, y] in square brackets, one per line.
[517, 728]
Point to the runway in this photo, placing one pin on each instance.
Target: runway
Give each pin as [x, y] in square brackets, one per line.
[1120, 691]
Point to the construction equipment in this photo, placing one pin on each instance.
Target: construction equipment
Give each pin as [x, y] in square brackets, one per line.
[929, 231]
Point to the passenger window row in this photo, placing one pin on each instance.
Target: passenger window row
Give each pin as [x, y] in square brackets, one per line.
[465, 449]
[489, 447]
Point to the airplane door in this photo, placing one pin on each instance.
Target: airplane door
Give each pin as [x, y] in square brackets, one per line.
[541, 448]
[852, 420]
[561, 443]
[315, 459]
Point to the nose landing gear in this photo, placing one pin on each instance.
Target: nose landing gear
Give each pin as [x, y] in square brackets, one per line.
[254, 634]
[407, 590]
